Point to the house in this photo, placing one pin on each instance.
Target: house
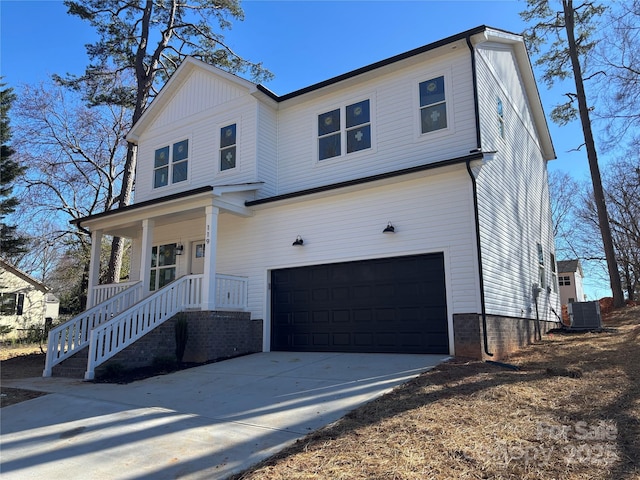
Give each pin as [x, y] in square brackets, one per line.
[24, 302]
[570, 281]
[400, 207]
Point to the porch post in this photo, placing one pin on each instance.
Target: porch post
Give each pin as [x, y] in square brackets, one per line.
[211, 240]
[145, 254]
[94, 266]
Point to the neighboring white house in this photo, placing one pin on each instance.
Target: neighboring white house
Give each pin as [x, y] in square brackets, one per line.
[443, 148]
[570, 278]
[24, 301]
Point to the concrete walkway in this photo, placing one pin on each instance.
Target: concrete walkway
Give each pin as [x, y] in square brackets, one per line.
[203, 423]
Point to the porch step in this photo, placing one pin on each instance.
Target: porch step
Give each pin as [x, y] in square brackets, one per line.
[72, 367]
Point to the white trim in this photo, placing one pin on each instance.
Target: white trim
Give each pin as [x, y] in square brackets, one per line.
[416, 80]
[342, 106]
[171, 185]
[237, 121]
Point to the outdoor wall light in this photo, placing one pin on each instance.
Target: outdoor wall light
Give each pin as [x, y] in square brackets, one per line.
[298, 242]
[389, 229]
[179, 249]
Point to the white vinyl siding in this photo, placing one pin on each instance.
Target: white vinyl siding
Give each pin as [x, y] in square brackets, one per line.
[513, 196]
[431, 214]
[199, 93]
[203, 131]
[394, 122]
[267, 150]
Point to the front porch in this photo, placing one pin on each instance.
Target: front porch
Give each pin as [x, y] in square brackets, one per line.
[128, 315]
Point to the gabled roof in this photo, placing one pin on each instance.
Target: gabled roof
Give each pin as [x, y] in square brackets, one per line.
[474, 36]
[167, 92]
[569, 266]
[24, 276]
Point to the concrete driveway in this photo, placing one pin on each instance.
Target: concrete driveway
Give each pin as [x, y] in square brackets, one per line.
[203, 423]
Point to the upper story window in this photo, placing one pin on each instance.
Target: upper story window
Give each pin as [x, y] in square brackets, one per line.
[433, 105]
[500, 112]
[565, 281]
[540, 254]
[554, 274]
[170, 164]
[333, 138]
[541, 272]
[228, 147]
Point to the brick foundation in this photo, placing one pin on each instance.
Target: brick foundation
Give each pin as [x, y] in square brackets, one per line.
[505, 335]
[211, 335]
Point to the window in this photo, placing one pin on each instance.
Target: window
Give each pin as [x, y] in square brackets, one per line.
[564, 281]
[541, 272]
[170, 164]
[7, 303]
[500, 111]
[11, 303]
[357, 130]
[433, 107]
[358, 126]
[554, 274]
[163, 265]
[540, 255]
[228, 147]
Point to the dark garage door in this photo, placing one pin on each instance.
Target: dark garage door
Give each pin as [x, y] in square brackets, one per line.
[389, 305]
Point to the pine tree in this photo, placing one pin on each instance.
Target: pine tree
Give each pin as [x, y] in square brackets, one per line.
[10, 242]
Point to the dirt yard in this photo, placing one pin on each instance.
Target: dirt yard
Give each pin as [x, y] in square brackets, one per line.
[568, 407]
[19, 361]
[571, 410]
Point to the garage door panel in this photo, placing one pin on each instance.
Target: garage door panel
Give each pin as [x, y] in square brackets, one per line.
[411, 339]
[302, 339]
[340, 294]
[383, 305]
[321, 340]
[384, 291]
[321, 316]
[363, 339]
[361, 292]
[319, 275]
[341, 316]
[299, 297]
[362, 315]
[386, 339]
[320, 294]
[341, 339]
[299, 318]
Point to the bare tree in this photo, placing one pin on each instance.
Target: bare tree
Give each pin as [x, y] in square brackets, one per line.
[619, 60]
[622, 186]
[75, 156]
[622, 190]
[571, 30]
[145, 41]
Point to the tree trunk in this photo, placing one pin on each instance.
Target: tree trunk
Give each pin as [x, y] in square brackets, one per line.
[592, 156]
[117, 244]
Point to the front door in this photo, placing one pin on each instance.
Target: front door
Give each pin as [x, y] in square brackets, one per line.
[197, 257]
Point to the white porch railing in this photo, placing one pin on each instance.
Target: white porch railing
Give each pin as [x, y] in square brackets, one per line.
[231, 292]
[124, 329]
[113, 325]
[70, 337]
[102, 293]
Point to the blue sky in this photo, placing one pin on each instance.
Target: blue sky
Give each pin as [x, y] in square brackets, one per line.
[301, 42]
